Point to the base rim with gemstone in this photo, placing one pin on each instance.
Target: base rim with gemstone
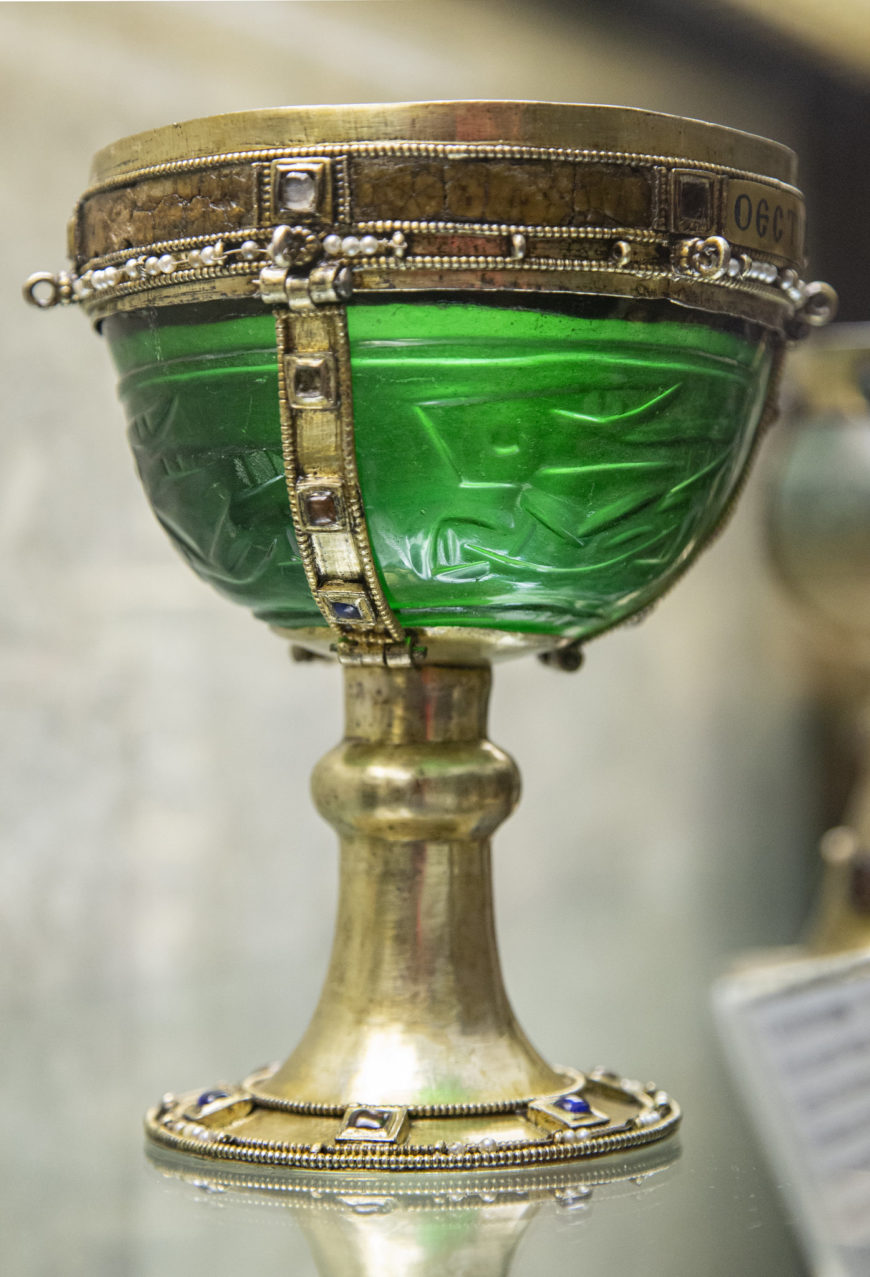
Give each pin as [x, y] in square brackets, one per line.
[599, 1113]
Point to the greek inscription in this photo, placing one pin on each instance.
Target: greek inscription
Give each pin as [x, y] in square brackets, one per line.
[743, 211]
[762, 217]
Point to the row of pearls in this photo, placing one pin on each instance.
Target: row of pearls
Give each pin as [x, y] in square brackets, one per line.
[712, 260]
[365, 245]
[151, 266]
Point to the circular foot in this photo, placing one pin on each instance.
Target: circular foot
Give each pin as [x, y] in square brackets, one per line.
[597, 1113]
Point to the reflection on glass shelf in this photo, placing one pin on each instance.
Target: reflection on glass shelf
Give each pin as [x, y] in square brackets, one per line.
[423, 1225]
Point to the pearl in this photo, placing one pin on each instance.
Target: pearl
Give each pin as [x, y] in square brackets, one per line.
[111, 275]
[332, 245]
[350, 244]
[456, 1148]
[207, 255]
[369, 245]
[194, 258]
[131, 268]
[734, 267]
[152, 266]
[487, 1143]
[249, 250]
[166, 263]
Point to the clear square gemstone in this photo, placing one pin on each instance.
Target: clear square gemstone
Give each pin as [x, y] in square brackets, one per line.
[297, 192]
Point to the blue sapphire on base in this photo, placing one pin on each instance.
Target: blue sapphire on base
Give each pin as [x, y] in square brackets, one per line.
[209, 1097]
[572, 1104]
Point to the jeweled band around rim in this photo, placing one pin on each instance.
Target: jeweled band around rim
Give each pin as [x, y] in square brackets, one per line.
[471, 195]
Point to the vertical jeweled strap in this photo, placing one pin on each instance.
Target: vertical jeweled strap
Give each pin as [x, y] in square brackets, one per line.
[316, 405]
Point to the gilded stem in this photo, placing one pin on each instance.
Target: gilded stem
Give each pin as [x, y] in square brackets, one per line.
[414, 1009]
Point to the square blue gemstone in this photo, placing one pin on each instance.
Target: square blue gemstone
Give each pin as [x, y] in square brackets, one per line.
[346, 611]
[572, 1104]
[209, 1097]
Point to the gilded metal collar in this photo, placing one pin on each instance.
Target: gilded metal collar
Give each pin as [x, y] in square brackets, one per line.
[301, 207]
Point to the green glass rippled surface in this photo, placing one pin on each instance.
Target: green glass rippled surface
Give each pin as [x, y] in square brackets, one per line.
[522, 469]
[543, 471]
[201, 399]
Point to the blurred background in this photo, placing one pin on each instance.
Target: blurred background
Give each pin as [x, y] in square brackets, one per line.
[167, 890]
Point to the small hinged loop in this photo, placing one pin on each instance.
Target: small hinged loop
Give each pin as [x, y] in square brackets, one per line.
[43, 300]
[819, 304]
[404, 655]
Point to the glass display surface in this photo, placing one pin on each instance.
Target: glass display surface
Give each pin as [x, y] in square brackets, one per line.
[520, 468]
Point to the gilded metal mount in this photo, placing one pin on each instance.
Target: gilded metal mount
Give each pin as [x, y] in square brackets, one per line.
[414, 1059]
[304, 207]
[303, 210]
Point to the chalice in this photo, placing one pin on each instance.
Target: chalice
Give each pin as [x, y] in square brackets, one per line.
[427, 386]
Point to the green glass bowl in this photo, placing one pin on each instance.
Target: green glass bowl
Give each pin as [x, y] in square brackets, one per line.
[539, 468]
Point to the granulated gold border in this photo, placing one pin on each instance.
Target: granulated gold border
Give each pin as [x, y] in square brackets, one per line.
[319, 451]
